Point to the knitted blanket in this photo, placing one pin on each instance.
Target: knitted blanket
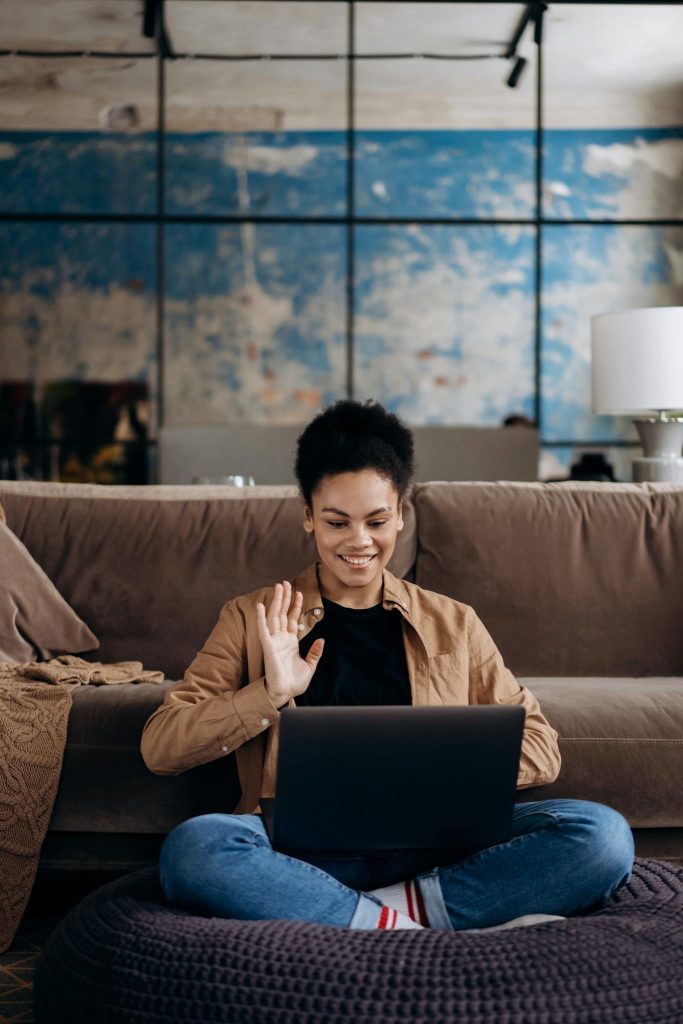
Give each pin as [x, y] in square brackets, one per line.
[33, 725]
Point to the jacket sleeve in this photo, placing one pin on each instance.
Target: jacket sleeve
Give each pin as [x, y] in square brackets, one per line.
[491, 682]
[210, 713]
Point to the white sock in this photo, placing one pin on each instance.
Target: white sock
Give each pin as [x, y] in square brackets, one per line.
[391, 918]
[406, 899]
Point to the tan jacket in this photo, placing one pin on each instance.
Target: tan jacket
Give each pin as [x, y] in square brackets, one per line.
[222, 704]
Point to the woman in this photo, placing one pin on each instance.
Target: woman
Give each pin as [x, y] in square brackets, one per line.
[347, 631]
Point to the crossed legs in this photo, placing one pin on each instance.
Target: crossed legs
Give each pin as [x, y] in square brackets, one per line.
[565, 856]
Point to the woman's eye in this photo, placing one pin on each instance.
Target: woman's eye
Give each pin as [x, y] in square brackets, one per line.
[337, 525]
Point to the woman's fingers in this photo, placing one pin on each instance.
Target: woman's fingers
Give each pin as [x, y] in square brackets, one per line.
[262, 625]
[315, 653]
[294, 612]
[284, 607]
[273, 616]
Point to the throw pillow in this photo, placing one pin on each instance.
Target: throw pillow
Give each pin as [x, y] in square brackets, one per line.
[36, 623]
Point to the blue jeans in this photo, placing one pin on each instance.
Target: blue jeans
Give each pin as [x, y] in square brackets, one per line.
[565, 856]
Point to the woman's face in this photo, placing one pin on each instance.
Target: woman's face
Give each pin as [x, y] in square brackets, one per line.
[355, 519]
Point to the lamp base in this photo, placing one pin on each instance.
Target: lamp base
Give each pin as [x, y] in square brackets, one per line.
[658, 471]
[662, 441]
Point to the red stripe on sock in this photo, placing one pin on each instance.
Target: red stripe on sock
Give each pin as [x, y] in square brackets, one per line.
[383, 917]
[421, 909]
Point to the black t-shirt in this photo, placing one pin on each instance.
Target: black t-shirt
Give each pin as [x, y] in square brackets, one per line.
[363, 660]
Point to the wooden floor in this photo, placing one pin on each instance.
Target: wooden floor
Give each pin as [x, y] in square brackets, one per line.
[53, 896]
[16, 969]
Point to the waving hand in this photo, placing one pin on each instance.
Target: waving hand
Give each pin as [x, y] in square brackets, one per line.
[287, 673]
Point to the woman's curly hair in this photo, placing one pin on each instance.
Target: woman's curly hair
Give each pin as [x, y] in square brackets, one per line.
[350, 436]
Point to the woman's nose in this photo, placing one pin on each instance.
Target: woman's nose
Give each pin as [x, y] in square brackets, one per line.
[361, 537]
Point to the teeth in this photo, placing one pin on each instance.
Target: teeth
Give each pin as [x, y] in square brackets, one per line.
[358, 561]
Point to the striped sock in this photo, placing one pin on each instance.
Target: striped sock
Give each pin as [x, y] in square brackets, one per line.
[391, 918]
[406, 899]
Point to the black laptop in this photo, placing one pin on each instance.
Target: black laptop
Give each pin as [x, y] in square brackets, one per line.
[393, 777]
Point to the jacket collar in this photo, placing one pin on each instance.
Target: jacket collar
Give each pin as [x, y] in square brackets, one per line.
[394, 592]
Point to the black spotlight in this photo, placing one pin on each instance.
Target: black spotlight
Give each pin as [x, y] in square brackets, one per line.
[150, 14]
[516, 72]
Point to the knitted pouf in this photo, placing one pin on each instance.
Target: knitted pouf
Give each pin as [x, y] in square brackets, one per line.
[125, 956]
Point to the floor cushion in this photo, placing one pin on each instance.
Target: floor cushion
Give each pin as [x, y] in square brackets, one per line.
[125, 955]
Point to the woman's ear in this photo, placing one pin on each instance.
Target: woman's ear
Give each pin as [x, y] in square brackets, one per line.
[400, 515]
[308, 519]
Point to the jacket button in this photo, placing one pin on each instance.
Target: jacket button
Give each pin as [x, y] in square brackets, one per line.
[224, 749]
[316, 611]
[301, 626]
[265, 721]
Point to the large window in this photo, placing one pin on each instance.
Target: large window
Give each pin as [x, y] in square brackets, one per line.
[268, 206]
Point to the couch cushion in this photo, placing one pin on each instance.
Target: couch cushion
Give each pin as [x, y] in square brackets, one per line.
[149, 568]
[36, 623]
[621, 742]
[570, 579]
[105, 785]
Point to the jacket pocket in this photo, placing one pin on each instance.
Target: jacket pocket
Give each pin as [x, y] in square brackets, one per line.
[449, 678]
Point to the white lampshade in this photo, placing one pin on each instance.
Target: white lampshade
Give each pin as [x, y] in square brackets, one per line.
[638, 360]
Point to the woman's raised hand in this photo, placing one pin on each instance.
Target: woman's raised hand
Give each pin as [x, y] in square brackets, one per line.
[287, 673]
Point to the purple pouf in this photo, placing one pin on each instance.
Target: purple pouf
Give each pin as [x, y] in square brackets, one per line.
[124, 956]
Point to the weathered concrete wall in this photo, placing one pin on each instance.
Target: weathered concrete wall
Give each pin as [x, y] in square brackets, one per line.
[255, 314]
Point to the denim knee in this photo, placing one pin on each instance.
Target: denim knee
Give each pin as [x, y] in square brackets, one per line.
[608, 843]
[187, 848]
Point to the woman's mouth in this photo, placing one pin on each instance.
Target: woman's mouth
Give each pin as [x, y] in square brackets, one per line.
[357, 562]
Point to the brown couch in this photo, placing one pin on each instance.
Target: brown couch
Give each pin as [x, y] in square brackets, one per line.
[579, 584]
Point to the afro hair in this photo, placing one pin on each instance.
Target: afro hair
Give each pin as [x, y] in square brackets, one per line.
[351, 436]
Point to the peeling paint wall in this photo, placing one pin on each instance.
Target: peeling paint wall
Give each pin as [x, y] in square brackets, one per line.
[255, 313]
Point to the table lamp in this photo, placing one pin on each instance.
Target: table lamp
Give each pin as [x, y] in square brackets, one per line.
[638, 370]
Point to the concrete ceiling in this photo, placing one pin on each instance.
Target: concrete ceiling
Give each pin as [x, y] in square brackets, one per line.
[606, 65]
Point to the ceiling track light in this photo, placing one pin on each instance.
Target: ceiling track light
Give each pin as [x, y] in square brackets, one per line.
[519, 32]
[150, 14]
[154, 26]
[533, 12]
[539, 11]
[515, 74]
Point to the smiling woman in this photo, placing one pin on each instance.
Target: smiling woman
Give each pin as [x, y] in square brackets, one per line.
[354, 463]
[347, 632]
